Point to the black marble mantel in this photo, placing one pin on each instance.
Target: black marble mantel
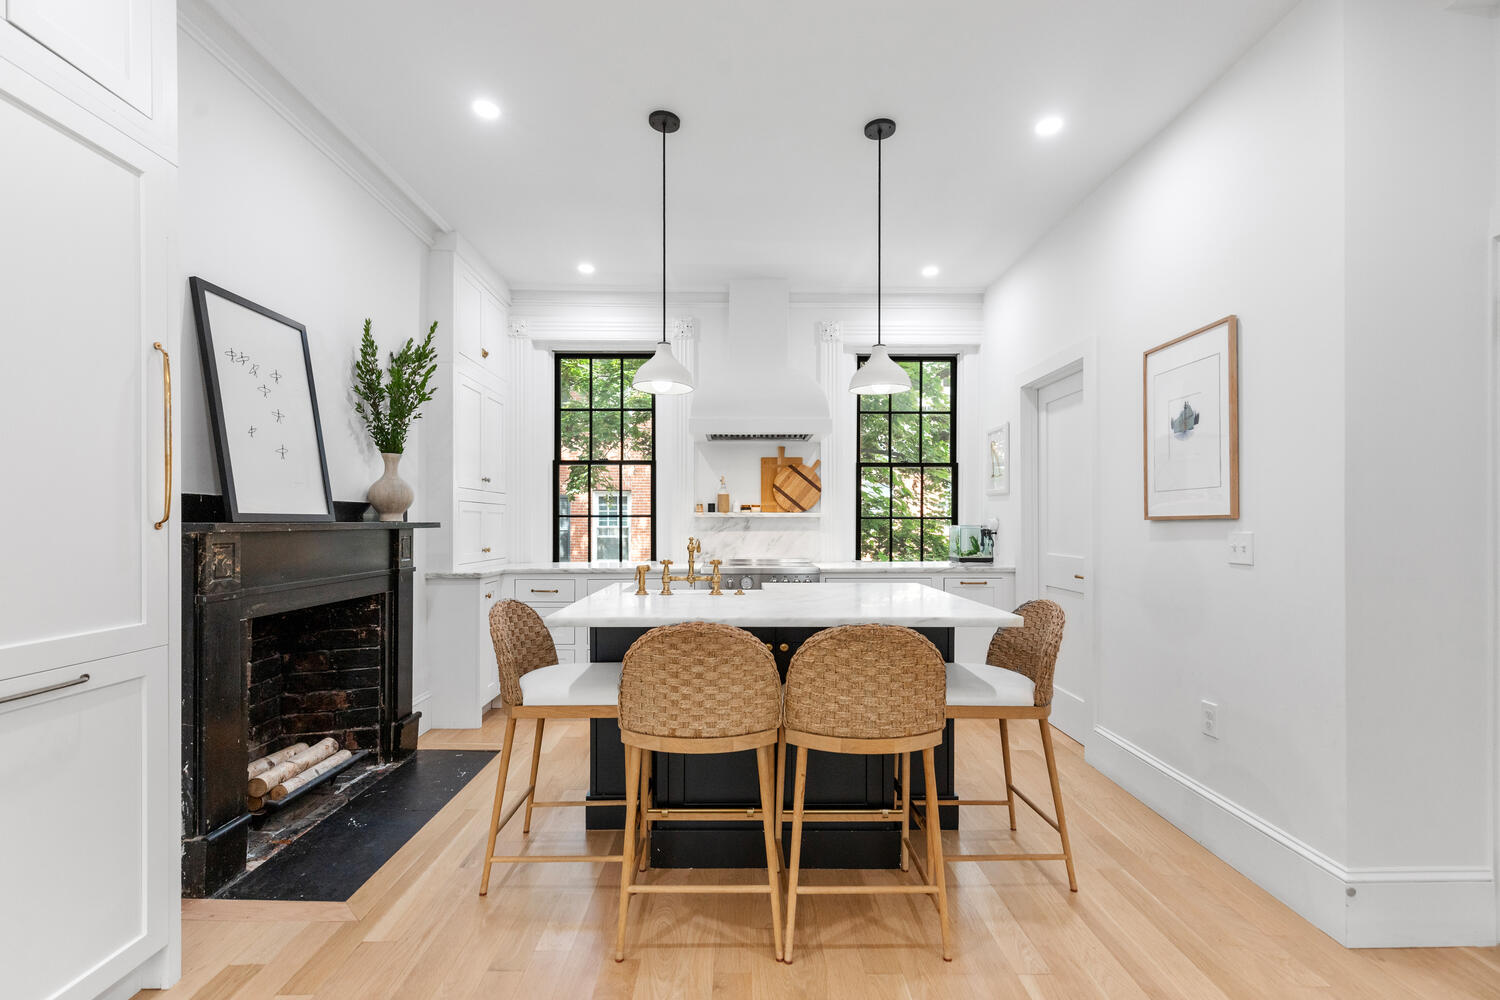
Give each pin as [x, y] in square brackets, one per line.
[233, 573]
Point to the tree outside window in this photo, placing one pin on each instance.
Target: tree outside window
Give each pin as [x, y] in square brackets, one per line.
[908, 478]
[605, 462]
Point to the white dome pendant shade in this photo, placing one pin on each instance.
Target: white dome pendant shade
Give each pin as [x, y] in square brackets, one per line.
[663, 375]
[879, 376]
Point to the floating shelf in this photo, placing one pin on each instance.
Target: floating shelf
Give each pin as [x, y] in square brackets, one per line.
[756, 514]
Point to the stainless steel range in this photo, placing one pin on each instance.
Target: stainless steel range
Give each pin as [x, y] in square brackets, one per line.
[749, 574]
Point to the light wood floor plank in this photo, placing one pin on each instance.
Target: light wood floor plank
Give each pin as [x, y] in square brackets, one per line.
[1157, 916]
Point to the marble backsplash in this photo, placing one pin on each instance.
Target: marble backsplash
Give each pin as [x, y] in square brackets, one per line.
[749, 538]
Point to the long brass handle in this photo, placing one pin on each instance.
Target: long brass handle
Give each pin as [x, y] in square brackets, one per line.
[1078, 576]
[166, 362]
[971, 583]
[81, 679]
[552, 591]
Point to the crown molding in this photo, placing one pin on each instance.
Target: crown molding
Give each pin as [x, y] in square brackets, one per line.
[226, 38]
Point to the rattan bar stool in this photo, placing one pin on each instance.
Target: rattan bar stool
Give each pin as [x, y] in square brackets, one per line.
[533, 685]
[866, 689]
[1015, 682]
[699, 688]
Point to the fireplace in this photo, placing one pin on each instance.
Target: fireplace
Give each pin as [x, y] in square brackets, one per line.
[293, 632]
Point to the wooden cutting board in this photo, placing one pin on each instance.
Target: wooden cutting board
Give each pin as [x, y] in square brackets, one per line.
[768, 470]
[798, 487]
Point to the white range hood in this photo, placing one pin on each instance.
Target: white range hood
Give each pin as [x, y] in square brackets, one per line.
[748, 388]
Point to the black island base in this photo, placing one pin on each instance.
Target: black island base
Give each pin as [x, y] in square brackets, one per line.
[719, 781]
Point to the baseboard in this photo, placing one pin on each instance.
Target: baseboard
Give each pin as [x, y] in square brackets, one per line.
[424, 723]
[1359, 908]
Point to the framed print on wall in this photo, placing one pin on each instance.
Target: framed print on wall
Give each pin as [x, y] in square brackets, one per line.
[1192, 425]
[997, 453]
[264, 409]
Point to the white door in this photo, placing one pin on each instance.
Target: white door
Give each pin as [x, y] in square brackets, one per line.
[1064, 505]
[89, 731]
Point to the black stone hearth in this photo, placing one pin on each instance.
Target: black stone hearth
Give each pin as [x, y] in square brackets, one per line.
[291, 631]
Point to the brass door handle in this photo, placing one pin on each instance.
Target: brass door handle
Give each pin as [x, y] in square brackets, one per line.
[166, 381]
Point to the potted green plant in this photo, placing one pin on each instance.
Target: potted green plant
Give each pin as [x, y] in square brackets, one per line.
[389, 401]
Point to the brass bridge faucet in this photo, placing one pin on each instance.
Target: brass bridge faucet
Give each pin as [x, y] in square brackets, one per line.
[693, 576]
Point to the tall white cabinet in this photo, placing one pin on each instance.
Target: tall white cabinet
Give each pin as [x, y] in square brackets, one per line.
[89, 687]
[467, 431]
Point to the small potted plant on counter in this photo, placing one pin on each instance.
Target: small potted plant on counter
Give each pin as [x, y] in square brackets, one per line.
[388, 405]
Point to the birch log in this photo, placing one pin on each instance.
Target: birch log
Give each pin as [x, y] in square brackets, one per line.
[295, 782]
[262, 783]
[260, 765]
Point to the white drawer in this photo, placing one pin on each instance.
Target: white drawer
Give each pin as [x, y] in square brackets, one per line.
[564, 637]
[545, 588]
[975, 588]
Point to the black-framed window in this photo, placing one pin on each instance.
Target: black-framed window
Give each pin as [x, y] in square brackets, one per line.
[604, 463]
[907, 470]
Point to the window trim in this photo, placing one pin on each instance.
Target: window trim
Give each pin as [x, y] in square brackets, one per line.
[952, 464]
[558, 462]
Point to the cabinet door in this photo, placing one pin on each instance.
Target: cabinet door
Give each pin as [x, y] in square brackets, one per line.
[92, 775]
[107, 40]
[492, 531]
[466, 535]
[492, 448]
[487, 678]
[84, 252]
[468, 435]
[492, 333]
[468, 314]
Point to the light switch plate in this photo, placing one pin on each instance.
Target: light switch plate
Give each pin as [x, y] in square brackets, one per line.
[1242, 548]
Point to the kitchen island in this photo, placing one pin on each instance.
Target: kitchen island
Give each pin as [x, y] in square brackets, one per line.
[782, 616]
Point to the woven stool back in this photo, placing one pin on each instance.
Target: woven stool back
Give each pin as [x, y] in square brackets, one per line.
[1032, 648]
[522, 644]
[699, 681]
[866, 682]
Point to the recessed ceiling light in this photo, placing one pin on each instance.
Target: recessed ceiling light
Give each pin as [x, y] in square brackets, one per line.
[585, 268]
[1049, 126]
[930, 271]
[486, 109]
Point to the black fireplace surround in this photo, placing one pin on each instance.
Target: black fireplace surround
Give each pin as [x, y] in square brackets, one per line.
[291, 631]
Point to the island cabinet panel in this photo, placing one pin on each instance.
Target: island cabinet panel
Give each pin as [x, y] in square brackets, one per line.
[845, 781]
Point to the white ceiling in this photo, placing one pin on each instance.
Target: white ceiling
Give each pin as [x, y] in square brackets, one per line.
[771, 175]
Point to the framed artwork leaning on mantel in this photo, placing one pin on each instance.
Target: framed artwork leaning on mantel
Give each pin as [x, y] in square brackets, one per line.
[264, 409]
[1190, 403]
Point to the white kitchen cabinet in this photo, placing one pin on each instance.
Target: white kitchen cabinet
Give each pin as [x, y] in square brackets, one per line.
[462, 676]
[971, 645]
[465, 431]
[88, 283]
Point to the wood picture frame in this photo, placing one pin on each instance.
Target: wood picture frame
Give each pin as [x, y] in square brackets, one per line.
[1190, 425]
[268, 436]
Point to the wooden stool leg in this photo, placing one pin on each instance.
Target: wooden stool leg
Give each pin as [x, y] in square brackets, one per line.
[536, 759]
[905, 759]
[489, 845]
[1057, 806]
[764, 770]
[935, 847]
[627, 865]
[645, 827]
[799, 795]
[1010, 798]
[780, 785]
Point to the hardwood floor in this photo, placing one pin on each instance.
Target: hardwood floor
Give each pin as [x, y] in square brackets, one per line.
[1156, 916]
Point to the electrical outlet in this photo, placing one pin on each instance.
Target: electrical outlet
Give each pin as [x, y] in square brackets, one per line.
[1242, 548]
[1211, 719]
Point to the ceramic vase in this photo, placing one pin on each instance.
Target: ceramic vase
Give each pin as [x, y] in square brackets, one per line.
[391, 495]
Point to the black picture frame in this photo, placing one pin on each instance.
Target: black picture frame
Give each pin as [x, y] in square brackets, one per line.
[200, 290]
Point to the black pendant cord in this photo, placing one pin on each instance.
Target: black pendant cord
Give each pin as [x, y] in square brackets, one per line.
[879, 220]
[663, 237]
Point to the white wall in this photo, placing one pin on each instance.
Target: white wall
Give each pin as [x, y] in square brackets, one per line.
[265, 213]
[1333, 191]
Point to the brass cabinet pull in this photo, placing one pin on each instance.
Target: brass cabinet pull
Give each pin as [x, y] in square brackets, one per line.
[485, 549]
[971, 583]
[80, 679]
[484, 352]
[1078, 576]
[484, 479]
[488, 596]
[768, 647]
[552, 591]
[785, 647]
[166, 381]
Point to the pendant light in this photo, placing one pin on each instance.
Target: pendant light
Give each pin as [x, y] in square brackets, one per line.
[663, 375]
[879, 376]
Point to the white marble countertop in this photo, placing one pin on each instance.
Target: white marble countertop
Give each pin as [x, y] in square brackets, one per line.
[628, 569]
[784, 604]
